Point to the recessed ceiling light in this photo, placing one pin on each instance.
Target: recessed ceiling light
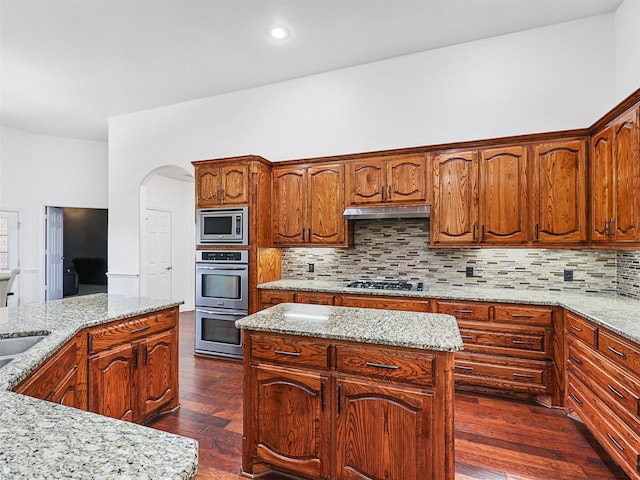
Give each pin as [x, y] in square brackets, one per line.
[279, 33]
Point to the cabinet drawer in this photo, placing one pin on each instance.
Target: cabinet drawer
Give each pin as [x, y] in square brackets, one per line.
[387, 363]
[519, 314]
[582, 329]
[620, 391]
[101, 338]
[287, 350]
[511, 374]
[386, 303]
[462, 310]
[620, 351]
[272, 297]
[496, 338]
[314, 298]
[616, 437]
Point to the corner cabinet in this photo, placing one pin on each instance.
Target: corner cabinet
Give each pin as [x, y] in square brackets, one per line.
[313, 406]
[399, 179]
[308, 206]
[220, 185]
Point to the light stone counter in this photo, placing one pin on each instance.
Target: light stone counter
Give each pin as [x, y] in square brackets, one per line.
[619, 314]
[426, 331]
[41, 440]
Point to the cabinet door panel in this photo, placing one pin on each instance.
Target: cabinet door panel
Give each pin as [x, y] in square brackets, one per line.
[365, 182]
[406, 179]
[159, 380]
[292, 419]
[454, 216]
[627, 173]
[503, 195]
[208, 186]
[560, 201]
[111, 382]
[326, 204]
[234, 182]
[383, 432]
[601, 185]
[289, 203]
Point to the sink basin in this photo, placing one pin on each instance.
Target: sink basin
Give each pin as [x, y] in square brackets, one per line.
[17, 345]
[4, 361]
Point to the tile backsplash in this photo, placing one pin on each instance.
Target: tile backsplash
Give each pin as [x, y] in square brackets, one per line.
[398, 250]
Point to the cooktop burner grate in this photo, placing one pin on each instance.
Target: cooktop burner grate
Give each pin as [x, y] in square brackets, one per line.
[381, 285]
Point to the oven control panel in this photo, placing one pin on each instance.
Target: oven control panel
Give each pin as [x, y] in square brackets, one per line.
[223, 256]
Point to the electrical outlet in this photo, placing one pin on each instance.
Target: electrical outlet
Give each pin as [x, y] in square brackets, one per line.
[312, 267]
[469, 271]
[568, 275]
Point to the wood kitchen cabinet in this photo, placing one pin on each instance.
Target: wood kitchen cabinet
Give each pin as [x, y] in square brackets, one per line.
[220, 185]
[559, 203]
[615, 181]
[132, 372]
[382, 410]
[308, 206]
[398, 179]
[57, 380]
[480, 197]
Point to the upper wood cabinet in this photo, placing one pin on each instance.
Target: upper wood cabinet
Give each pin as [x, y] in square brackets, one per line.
[221, 185]
[615, 177]
[308, 205]
[559, 203]
[480, 197]
[394, 179]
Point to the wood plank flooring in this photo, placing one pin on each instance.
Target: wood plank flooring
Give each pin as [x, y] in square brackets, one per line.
[496, 439]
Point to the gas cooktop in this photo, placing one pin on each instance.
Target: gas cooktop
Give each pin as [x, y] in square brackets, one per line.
[382, 285]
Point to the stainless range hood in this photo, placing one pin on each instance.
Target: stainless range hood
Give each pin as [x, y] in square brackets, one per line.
[364, 213]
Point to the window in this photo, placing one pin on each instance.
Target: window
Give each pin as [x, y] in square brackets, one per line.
[4, 243]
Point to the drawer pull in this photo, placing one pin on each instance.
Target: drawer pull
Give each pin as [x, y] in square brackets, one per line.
[288, 354]
[613, 440]
[142, 329]
[466, 337]
[521, 342]
[379, 365]
[518, 315]
[615, 392]
[460, 367]
[523, 375]
[314, 301]
[276, 299]
[620, 354]
[463, 311]
[576, 359]
[575, 398]
[576, 328]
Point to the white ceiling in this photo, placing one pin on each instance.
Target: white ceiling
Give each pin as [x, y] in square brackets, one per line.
[67, 65]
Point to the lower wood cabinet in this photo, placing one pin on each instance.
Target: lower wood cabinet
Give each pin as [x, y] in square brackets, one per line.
[328, 409]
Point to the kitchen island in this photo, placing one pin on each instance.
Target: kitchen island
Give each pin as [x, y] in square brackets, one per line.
[42, 439]
[348, 393]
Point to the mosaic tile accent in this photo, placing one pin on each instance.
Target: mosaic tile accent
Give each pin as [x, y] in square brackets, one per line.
[628, 271]
[398, 250]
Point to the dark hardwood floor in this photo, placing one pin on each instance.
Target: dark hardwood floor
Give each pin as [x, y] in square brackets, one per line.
[496, 439]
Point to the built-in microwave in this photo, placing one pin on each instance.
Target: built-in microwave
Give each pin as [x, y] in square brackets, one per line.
[222, 226]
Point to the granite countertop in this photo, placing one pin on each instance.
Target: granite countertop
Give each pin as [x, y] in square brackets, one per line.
[615, 312]
[426, 331]
[42, 440]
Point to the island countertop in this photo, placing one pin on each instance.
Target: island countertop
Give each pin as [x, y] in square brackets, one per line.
[426, 331]
[42, 440]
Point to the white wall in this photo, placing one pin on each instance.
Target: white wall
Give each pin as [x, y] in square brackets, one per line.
[177, 197]
[533, 81]
[36, 171]
[627, 28]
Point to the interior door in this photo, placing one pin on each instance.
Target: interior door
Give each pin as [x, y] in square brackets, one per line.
[54, 219]
[157, 245]
[9, 258]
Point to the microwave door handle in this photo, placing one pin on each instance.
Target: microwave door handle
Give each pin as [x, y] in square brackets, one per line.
[217, 312]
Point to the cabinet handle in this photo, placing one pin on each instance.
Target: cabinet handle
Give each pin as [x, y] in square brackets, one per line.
[460, 367]
[537, 231]
[613, 440]
[309, 235]
[463, 311]
[466, 337]
[521, 342]
[606, 228]
[275, 299]
[339, 399]
[611, 232]
[288, 354]
[576, 328]
[222, 196]
[615, 392]
[620, 354]
[316, 302]
[576, 359]
[142, 329]
[482, 236]
[475, 229]
[388, 193]
[518, 315]
[575, 398]
[382, 192]
[145, 356]
[322, 396]
[523, 375]
[379, 365]
[135, 357]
